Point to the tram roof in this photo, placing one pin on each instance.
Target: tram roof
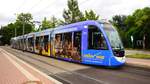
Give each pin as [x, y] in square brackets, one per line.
[46, 31]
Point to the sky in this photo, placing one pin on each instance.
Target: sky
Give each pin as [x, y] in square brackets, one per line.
[47, 8]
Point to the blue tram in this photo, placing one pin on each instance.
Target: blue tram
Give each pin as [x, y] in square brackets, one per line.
[87, 42]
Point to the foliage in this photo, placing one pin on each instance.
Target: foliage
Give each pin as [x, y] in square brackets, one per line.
[119, 22]
[45, 24]
[61, 22]
[141, 26]
[136, 25]
[52, 23]
[73, 14]
[8, 31]
[26, 20]
[91, 15]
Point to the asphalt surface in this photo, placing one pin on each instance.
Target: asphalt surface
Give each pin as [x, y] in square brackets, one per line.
[73, 73]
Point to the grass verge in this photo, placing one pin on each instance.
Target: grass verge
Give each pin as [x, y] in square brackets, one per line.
[141, 56]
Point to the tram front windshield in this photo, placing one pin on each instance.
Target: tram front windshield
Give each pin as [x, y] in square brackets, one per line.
[113, 37]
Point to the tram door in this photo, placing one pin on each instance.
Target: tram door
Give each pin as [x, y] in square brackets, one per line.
[37, 44]
[77, 45]
[95, 46]
[30, 44]
[46, 46]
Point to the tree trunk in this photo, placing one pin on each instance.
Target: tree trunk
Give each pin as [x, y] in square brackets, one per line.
[144, 41]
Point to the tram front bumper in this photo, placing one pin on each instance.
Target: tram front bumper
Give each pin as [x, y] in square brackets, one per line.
[117, 61]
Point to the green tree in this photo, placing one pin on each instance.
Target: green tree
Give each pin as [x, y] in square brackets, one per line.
[140, 25]
[119, 22]
[136, 25]
[60, 22]
[8, 31]
[46, 24]
[26, 20]
[91, 15]
[73, 14]
[52, 23]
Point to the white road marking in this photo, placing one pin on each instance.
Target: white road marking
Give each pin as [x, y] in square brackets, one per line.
[21, 69]
[41, 73]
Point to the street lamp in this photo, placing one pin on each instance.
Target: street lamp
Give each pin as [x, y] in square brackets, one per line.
[15, 28]
[23, 23]
[15, 32]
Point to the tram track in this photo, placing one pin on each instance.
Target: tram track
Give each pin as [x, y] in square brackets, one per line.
[131, 75]
[95, 81]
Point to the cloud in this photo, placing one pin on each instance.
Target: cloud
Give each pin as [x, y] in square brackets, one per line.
[46, 8]
[108, 8]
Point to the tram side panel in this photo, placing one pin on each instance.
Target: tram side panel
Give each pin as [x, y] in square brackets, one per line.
[45, 45]
[96, 50]
[42, 44]
[67, 45]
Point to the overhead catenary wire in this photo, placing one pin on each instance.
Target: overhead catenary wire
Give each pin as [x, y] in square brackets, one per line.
[48, 6]
[21, 6]
[16, 10]
[45, 7]
[35, 5]
[83, 2]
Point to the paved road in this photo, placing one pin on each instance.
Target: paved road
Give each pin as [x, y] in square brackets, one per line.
[73, 73]
[15, 71]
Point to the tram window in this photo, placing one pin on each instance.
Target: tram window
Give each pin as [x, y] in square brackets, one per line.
[77, 40]
[58, 41]
[58, 44]
[37, 42]
[21, 44]
[67, 40]
[76, 52]
[30, 42]
[68, 46]
[96, 39]
[67, 43]
[46, 43]
[41, 41]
